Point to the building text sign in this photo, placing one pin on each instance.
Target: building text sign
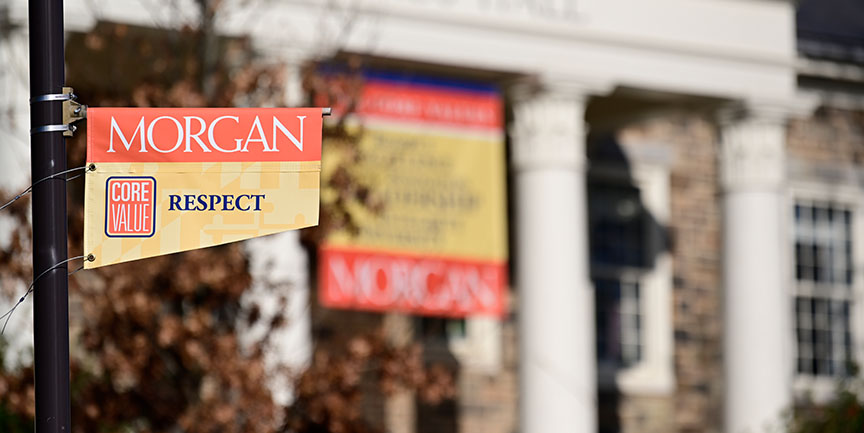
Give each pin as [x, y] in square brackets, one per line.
[434, 153]
[163, 180]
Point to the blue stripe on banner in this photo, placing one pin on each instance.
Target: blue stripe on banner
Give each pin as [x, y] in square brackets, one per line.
[412, 78]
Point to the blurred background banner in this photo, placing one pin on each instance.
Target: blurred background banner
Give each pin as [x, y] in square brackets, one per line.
[433, 151]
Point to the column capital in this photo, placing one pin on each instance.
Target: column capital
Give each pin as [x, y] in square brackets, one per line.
[549, 120]
[548, 131]
[752, 149]
[548, 128]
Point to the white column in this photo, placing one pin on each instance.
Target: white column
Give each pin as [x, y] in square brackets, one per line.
[556, 301]
[293, 91]
[757, 303]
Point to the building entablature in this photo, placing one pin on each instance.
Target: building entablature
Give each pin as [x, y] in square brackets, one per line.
[730, 50]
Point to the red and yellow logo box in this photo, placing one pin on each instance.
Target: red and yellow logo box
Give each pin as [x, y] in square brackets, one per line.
[130, 206]
[165, 180]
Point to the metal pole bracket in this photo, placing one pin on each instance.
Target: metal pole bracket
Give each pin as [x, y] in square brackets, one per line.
[73, 111]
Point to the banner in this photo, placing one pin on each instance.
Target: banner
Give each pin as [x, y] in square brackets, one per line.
[163, 180]
[434, 152]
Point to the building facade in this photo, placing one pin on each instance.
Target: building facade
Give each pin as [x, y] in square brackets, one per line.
[684, 183]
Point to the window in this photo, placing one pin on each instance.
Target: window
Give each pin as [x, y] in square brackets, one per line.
[618, 321]
[618, 245]
[628, 207]
[476, 342]
[823, 289]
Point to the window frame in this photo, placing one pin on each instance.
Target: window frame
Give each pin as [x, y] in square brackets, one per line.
[821, 389]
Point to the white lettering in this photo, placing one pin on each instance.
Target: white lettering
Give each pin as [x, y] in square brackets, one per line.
[126, 143]
[190, 135]
[425, 285]
[145, 209]
[145, 191]
[115, 217]
[124, 191]
[278, 125]
[256, 125]
[212, 140]
[115, 195]
[343, 280]
[179, 134]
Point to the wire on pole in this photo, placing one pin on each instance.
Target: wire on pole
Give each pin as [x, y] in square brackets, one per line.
[8, 315]
[30, 188]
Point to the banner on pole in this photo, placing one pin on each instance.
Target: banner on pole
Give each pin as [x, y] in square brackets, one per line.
[434, 153]
[164, 180]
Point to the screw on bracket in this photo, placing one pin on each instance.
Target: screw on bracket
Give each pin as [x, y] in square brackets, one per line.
[73, 111]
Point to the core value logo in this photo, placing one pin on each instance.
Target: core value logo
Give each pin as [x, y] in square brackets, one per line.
[130, 210]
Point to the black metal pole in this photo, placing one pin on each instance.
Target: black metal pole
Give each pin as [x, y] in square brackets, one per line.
[48, 154]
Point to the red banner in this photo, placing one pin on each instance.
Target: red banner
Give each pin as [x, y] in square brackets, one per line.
[431, 105]
[203, 134]
[411, 283]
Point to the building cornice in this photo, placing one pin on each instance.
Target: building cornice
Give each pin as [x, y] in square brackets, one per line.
[567, 30]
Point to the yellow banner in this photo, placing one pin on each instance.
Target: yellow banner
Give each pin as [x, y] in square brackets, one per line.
[160, 181]
[433, 154]
[443, 194]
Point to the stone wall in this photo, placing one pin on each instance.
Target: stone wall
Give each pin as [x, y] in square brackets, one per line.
[695, 245]
[829, 136]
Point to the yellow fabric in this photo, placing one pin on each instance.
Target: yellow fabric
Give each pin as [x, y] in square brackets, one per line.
[291, 191]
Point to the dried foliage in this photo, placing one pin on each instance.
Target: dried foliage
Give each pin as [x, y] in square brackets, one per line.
[341, 91]
[330, 390]
[155, 342]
